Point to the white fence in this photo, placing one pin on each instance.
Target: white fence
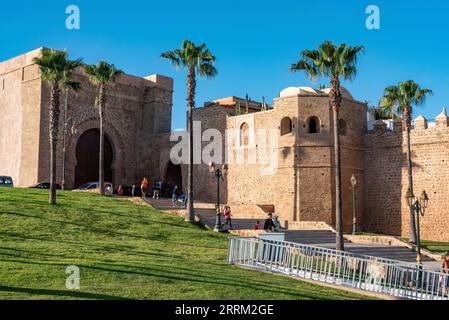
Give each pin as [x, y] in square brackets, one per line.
[391, 277]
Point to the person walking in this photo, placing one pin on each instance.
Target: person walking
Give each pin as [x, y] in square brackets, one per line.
[228, 217]
[444, 279]
[156, 190]
[174, 196]
[144, 187]
[183, 200]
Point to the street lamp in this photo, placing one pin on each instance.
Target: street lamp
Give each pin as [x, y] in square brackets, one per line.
[418, 207]
[219, 172]
[354, 216]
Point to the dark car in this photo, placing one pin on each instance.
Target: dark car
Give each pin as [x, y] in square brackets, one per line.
[45, 185]
[6, 182]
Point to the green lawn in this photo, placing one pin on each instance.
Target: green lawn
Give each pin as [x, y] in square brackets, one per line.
[434, 246]
[124, 251]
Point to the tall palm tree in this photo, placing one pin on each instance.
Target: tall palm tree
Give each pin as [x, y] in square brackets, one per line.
[333, 62]
[401, 98]
[56, 70]
[101, 75]
[196, 60]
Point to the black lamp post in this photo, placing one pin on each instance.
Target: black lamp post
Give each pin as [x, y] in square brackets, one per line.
[219, 172]
[354, 216]
[419, 207]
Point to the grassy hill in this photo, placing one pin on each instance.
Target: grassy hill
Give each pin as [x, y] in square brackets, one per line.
[124, 251]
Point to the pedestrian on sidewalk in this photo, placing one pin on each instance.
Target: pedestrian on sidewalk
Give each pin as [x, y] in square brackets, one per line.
[183, 200]
[444, 279]
[144, 187]
[228, 217]
[174, 196]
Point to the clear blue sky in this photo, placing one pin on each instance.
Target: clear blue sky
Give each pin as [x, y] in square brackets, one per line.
[254, 41]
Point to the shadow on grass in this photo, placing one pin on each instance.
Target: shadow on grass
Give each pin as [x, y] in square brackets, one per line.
[313, 292]
[111, 233]
[61, 293]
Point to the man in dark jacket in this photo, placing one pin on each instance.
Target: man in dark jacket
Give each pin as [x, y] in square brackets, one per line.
[269, 224]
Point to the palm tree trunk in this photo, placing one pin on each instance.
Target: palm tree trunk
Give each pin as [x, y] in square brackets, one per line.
[408, 124]
[53, 127]
[191, 91]
[101, 102]
[335, 96]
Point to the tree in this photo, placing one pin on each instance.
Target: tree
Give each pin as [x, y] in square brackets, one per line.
[382, 113]
[196, 60]
[101, 75]
[333, 62]
[401, 98]
[56, 70]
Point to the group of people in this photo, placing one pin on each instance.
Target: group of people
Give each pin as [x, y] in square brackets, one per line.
[271, 224]
[161, 189]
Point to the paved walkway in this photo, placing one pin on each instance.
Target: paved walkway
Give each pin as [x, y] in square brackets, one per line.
[318, 238]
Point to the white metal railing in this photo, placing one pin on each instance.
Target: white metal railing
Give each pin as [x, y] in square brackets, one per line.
[391, 277]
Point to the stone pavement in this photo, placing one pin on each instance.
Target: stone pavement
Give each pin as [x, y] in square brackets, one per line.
[318, 238]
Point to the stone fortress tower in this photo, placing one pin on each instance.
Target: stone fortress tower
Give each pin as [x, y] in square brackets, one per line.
[138, 108]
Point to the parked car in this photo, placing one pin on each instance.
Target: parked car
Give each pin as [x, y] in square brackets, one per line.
[93, 185]
[45, 185]
[6, 182]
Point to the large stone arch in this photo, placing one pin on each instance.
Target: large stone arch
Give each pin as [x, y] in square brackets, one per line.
[117, 143]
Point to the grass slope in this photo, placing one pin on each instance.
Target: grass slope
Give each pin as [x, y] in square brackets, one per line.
[124, 251]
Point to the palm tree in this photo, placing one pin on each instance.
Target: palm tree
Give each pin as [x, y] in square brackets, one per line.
[333, 62]
[401, 98]
[196, 60]
[381, 113]
[101, 75]
[56, 70]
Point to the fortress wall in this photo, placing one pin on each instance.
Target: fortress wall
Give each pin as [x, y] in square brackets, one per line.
[16, 84]
[386, 182]
[353, 113]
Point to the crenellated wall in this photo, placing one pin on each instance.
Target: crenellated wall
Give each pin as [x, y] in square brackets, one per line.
[386, 178]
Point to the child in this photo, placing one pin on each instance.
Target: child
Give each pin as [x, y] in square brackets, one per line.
[257, 227]
[183, 200]
[228, 217]
[120, 191]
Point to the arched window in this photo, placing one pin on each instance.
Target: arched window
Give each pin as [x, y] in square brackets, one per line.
[286, 126]
[244, 135]
[314, 125]
[342, 127]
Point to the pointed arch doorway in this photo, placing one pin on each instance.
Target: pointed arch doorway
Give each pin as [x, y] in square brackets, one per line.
[87, 158]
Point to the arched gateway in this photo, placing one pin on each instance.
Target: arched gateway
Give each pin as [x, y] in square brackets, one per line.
[87, 158]
[174, 175]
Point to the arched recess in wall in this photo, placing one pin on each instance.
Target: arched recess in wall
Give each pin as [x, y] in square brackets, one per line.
[286, 126]
[313, 125]
[342, 127]
[244, 135]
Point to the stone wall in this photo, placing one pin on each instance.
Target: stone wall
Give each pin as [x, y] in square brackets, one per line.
[386, 180]
[137, 109]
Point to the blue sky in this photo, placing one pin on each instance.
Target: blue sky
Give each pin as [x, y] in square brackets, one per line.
[254, 41]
